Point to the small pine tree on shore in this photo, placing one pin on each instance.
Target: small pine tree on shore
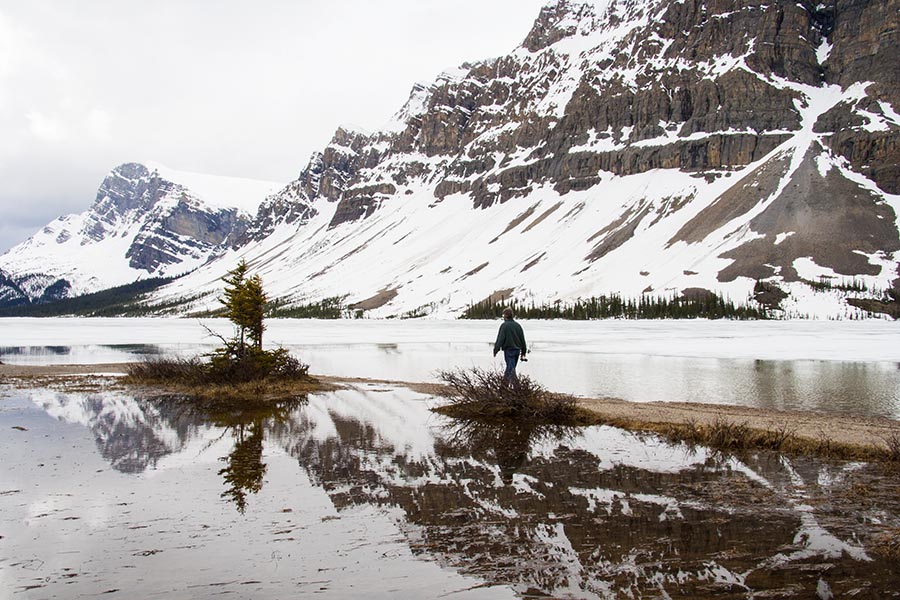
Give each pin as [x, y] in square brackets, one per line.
[245, 304]
[241, 359]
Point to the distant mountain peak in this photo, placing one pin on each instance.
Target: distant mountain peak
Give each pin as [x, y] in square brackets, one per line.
[146, 219]
[560, 19]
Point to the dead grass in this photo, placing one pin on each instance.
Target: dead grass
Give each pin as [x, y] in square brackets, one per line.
[183, 371]
[485, 395]
[887, 544]
[64, 383]
[858, 492]
[730, 436]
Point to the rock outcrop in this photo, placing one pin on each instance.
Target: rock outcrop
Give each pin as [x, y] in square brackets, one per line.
[695, 86]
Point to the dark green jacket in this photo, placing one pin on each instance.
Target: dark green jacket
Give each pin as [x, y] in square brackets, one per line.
[510, 336]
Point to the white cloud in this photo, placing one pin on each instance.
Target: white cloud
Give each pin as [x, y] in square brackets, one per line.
[227, 87]
[10, 42]
[70, 121]
[99, 124]
[44, 127]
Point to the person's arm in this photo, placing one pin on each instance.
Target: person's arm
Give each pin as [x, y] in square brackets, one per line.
[498, 345]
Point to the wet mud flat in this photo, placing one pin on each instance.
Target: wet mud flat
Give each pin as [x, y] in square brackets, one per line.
[365, 491]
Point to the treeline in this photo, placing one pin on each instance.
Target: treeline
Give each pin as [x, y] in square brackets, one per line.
[825, 284]
[701, 306]
[329, 308]
[118, 301]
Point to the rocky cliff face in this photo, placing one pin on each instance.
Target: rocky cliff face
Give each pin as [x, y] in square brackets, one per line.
[11, 293]
[633, 146]
[173, 221]
[142, 223]
[622, 87]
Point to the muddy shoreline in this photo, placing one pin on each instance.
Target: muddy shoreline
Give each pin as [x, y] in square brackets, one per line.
[844, 429]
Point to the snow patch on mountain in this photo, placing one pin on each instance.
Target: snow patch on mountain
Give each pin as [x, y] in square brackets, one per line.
[219, 191]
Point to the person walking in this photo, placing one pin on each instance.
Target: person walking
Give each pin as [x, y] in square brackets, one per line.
[510, 339]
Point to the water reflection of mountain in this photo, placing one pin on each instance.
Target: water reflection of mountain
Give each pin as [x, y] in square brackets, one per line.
[131, 434]
[602, 514]
[595, 514]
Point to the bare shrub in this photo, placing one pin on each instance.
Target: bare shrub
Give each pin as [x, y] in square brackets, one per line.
[223, 368]
[479, 393]
[180, 370]
[892, 442]
[782, 437]
[825, 446]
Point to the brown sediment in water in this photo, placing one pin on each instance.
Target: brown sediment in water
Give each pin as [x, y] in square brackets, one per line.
[728, 426]
[25, 371]
[91, 378]
[256, 392]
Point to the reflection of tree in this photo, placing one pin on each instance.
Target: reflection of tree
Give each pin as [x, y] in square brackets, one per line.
[248, 419]
[244, 468]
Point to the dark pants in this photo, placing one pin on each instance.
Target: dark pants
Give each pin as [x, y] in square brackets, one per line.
[512, 359]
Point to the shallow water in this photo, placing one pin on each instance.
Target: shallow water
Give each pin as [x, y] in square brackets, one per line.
[870, 388]
[365, 492]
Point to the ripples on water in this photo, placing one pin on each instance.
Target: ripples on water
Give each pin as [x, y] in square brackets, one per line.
[365, 492]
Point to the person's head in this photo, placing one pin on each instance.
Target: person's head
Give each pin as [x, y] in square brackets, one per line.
[508, 313]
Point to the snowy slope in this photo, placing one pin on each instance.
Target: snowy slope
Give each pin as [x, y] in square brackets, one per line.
[219, 191]
[145, 222]
[631, 146]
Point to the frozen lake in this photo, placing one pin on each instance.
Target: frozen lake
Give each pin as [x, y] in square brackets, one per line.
[365, 493]
[840, 366]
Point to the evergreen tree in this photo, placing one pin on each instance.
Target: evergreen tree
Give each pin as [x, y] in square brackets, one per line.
[253, 306]
[245, 302]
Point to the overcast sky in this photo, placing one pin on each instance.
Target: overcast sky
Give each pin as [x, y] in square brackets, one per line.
[247, 89]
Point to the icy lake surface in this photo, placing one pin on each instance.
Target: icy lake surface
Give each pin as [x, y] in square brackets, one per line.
[364, 492]
[842, 366]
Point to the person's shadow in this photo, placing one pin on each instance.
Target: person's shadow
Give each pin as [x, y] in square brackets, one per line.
[506, 443]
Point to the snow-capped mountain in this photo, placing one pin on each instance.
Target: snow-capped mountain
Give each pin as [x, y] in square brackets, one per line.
[626, 146]
[147, 221]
